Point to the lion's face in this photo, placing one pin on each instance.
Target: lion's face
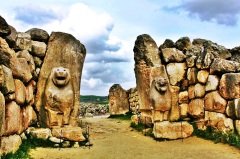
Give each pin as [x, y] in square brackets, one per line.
[161, 84]
[61, 76]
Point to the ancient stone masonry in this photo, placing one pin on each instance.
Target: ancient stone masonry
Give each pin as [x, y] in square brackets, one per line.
[39, 85]
[118, 100]
[184, 82]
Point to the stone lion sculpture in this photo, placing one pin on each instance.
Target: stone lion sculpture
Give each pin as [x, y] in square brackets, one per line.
[58, 97]
[160, 96]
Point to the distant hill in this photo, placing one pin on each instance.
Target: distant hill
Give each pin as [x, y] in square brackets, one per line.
[94, 99]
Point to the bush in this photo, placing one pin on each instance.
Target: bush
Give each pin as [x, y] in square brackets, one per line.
[217, 136]
[23, 151]
[126, 116]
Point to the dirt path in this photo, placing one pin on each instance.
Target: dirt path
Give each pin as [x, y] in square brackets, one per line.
[114, 139]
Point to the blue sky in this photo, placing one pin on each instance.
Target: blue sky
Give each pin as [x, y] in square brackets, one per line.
[108, 29]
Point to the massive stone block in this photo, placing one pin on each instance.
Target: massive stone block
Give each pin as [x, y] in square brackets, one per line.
[219, 121]
[224, 66]
[233, 109]
[196, 108]
[118, 100]
[146, 50]
[71, 56]
[4, 27]
[6, 80]
[10, 144]
[172, 130]
[176, 72]
[230, 85]
[212, 83]
[13, 119]
[214, 102]
[160, 93]
[145, 56]
[175, 109]
[196, 91]
[72, 134]
[20, 93]
[23, 41]
[2, 114]
[58, 97]
[172, 55]
[38, 34]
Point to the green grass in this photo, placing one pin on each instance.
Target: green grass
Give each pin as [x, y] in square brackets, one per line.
[126, 116]
[23, 151]
[94, 99]
[217, 136]
[142, 128]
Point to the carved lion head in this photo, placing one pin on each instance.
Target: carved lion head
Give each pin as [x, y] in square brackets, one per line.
[61, 76]
[161, 84]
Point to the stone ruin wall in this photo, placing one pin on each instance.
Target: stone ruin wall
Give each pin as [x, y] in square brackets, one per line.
[22, 55]
[184, 82]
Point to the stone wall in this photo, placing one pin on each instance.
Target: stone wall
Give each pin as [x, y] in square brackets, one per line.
[21, 57]
[184, 82]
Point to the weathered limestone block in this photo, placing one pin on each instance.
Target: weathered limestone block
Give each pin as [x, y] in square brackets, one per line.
[10, 144]
[6, 53]
[20, 69]
[172, 55]
[71, 55]
[196, 91]
[58, 97]
[190, 61]
[176, 72]
[23, 41]
[142, 73]
[39, 48]
[214, 102]
[233, 109]
[212, 83]
[13, 118]
[20, 92]
[11, 38]
[202, 76]
[183, 43]
[146, 50]
[28, 116]
[204, 60]
[69, 133]
[183, 110]
[6, 80]
[196, 108]
[224, 66]
[40, 133]
[2, 114]
[175, 110]
[235, 54]
[192, 75]
[25, 54]
[183, 97]
[172, 130]
[29, 92]
[146, 56]
[168, 43]
[237, 126]
[118, 102]
[219, 121]
[230, 85]
[4, 27]
[160, 92]
[38, 34]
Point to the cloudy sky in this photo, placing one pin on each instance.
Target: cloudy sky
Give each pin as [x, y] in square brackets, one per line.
[108, 29]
